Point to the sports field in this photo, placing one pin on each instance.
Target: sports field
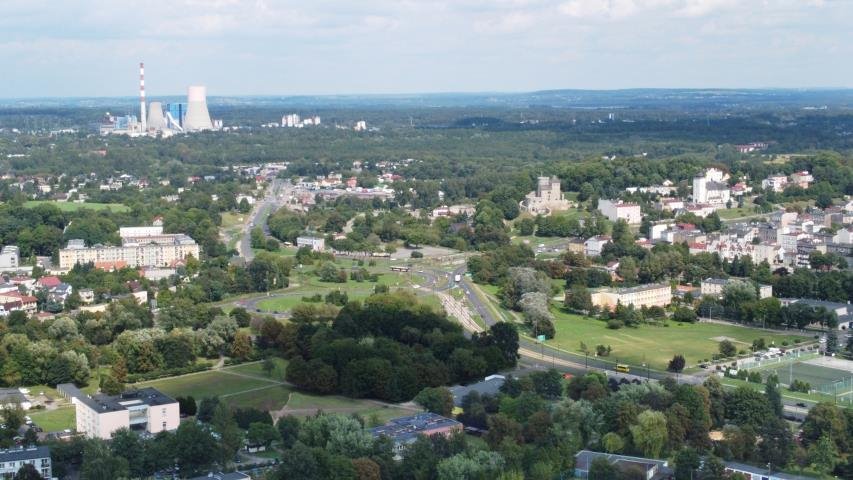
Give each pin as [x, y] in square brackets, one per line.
[815, 375]
[73, 206]
[653, 344]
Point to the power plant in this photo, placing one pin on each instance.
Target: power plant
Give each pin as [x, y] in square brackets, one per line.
[192, 116]
[197, 118]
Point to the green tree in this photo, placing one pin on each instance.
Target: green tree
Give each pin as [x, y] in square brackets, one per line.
[613, 442]
[601, 469]
[676, 364]
[230, 436]
[650, 433]
[260, 433]
[727, 348]
[99, 463]
[823, 454]
[436, 400]
[28, 472]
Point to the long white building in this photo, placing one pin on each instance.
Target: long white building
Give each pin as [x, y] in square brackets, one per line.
[140, 247]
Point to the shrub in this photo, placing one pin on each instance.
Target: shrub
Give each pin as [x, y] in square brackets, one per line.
[417, 254]
[615, 324]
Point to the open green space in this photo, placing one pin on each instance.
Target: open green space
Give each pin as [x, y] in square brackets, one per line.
[206, 384]
[737, 212]
[354, 290]
[73, 206]
[273, 397]
[815, 375]
[256, 369]
[654, 344]
[55, 420]
[370, 410]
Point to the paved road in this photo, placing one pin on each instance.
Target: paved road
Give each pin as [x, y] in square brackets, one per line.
[276, 195]
[544, 354]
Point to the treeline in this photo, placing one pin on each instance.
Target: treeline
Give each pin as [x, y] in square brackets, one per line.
[390, 347]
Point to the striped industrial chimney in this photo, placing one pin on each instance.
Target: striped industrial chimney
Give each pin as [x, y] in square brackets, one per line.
[142, 114]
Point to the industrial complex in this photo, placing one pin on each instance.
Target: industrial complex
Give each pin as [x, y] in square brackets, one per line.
[155, 119]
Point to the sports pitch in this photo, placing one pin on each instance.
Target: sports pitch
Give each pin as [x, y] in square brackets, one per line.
[828, 375]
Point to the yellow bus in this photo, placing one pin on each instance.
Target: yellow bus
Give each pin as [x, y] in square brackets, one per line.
[620, 367]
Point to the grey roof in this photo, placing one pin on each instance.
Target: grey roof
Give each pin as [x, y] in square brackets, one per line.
[18, 454]
[112, 403]
[763, 472]
[223, 476]
[405, 429]
[11, 395]
[489, 386]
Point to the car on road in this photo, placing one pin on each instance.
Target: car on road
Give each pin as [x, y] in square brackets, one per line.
[801, 404]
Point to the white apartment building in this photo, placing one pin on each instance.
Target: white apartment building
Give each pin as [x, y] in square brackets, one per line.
[318, 244]
[714, 287]
[652, 295]
[10, 258]
[616, 210]
[13, 459]
[141, 247]
[146, 409]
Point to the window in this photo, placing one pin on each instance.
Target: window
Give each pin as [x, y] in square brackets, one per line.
[164, 425]
[163, 411]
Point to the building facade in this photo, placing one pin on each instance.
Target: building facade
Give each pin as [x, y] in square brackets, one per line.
[140, 247]
[547, 198]
[616, 210]
[10, 258]
[13, 459]
[146, 409]
[653, 295]
[318, 244]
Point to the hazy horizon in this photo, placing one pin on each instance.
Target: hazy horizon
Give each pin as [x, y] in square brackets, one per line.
[91, 48]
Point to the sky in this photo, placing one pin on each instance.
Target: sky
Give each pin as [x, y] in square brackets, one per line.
[52, 48]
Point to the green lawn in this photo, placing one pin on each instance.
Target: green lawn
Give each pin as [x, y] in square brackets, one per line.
[206, 384]
[333, 403]
[654, 344]
[55, 420]
[256, 369]
[273, 398]
[353, 289]
[73, 207]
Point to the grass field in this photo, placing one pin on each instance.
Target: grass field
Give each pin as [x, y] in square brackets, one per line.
[354, 290]
[55, 420]
[333, 403]
[206, 384]
[73, 207]
[654, 344]
[815, 375]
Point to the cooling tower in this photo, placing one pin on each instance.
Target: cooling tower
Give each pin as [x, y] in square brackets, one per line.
[156, 120]
[197, 117]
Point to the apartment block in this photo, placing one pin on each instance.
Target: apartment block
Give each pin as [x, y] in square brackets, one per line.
[652, 295]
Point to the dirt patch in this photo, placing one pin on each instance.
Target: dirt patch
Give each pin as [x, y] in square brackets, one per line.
[723, 337]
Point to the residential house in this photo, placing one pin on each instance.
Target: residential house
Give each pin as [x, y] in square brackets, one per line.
[593, 245]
